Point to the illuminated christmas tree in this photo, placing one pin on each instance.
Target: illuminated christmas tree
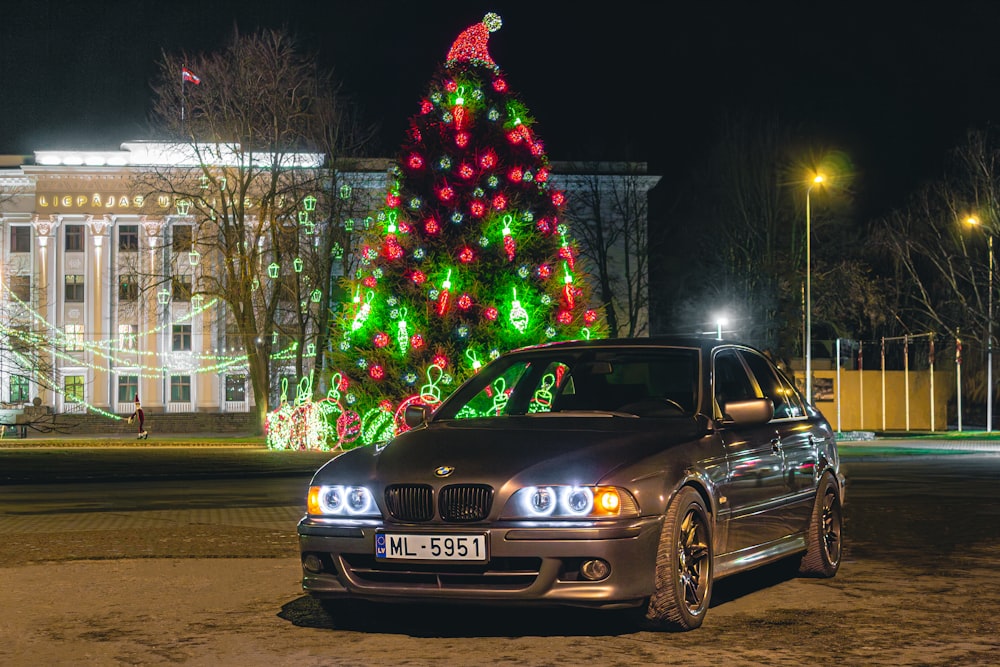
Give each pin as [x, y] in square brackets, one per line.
[468, 258]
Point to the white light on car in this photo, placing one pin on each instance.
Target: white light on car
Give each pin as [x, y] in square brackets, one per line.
[578, 500]
[340, 500]
[570, 502]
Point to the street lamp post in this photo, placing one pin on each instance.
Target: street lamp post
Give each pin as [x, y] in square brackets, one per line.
[808, 337]
[989, 329]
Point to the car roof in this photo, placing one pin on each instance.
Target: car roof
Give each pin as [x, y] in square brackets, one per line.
[704, 343]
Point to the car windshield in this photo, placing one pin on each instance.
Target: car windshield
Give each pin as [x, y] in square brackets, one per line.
[644, 383]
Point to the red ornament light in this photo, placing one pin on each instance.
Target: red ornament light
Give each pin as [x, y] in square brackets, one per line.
[537, 149]
[392, 250]
[466, 171]
[381, 339]
[418, 277]
[431, 226]
[440, 361]
[392, 200]
[499, 202]
[491, 313]
[426, 107]
[566, 252]
[544, 271]
[376, 372]
[564, 317]
[461, 139]
[414, 134]
[499, 85]
[370, 281]
[466, 255]
[450, 86]
[446, 192]
[465, 302]
[542, 175]
[558, 198]
[515, 175]
[416, 161]
[589, 316]
[488, 160]
[385, 404]
[477, 208]
[416, 341]
[544, 225]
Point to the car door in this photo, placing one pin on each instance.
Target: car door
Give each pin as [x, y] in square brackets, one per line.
[754, 487]
[795, 439]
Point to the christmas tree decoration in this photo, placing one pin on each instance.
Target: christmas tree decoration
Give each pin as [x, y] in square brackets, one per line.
[469, 256]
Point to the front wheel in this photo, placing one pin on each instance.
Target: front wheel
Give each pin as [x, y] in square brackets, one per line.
[823, 544]
[683, 566]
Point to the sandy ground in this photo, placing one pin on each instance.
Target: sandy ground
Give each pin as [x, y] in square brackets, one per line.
[215, 611]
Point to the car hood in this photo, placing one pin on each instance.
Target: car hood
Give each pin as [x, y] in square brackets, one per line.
[523, 450]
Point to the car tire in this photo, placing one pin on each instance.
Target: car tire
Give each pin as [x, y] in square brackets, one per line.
[823, 543]
[684, 566]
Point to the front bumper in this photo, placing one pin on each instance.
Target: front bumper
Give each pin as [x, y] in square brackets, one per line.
[529, 563]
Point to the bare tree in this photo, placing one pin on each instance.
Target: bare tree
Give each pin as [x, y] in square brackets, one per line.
[941, 263]
[259, 139]
[609, 211]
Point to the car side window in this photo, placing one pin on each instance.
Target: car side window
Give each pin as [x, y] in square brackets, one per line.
[785, 405]
[730, 379]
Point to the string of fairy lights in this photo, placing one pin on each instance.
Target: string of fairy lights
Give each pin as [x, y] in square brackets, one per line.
[114, 352]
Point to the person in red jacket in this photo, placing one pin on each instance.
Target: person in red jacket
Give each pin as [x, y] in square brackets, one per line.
[141, 416]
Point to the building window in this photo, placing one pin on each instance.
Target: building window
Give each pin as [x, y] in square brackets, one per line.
[74, 238]
[20, 286]
[127, 334]
[18, 389]
[181, 288]
[181, 238]
[128, 237]
[74, 337]
[180, 388]
[128, 388]
[20, 239]
[182, 338]
[73, 389]
[128, 288]
[236, 387]
[74, 288]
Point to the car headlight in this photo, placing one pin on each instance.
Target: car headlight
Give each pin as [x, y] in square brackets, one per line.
[341, 500]
[571, 502]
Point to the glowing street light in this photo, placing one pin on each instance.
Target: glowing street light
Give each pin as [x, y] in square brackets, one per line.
[817, 180]
[972, 220]
[720, 321]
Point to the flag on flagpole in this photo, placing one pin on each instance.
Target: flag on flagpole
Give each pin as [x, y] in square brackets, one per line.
[188, 75]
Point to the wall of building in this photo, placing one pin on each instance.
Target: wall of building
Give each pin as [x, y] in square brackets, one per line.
[884, 401]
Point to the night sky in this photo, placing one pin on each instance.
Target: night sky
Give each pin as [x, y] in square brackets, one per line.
[895, 87]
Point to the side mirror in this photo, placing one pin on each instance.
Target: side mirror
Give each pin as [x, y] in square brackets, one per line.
[754, 411]
[416, 415]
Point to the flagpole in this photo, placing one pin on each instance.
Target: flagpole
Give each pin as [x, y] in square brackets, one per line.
[183, 79]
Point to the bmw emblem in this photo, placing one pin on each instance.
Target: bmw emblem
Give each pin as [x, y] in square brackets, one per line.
[444, 471]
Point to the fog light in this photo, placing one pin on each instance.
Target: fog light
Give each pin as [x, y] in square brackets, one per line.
[593, 570]
[312, 564]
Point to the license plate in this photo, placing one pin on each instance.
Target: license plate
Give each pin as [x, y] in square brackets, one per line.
[430, 547]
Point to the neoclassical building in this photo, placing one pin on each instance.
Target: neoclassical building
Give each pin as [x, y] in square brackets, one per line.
[77, 331]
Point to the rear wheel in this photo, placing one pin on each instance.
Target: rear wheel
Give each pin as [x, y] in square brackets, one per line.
[683, 566]
[823, 544]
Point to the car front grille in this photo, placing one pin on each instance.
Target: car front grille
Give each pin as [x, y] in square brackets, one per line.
[465, 502]
[457, 503]
[510, 574]
[410, 502]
